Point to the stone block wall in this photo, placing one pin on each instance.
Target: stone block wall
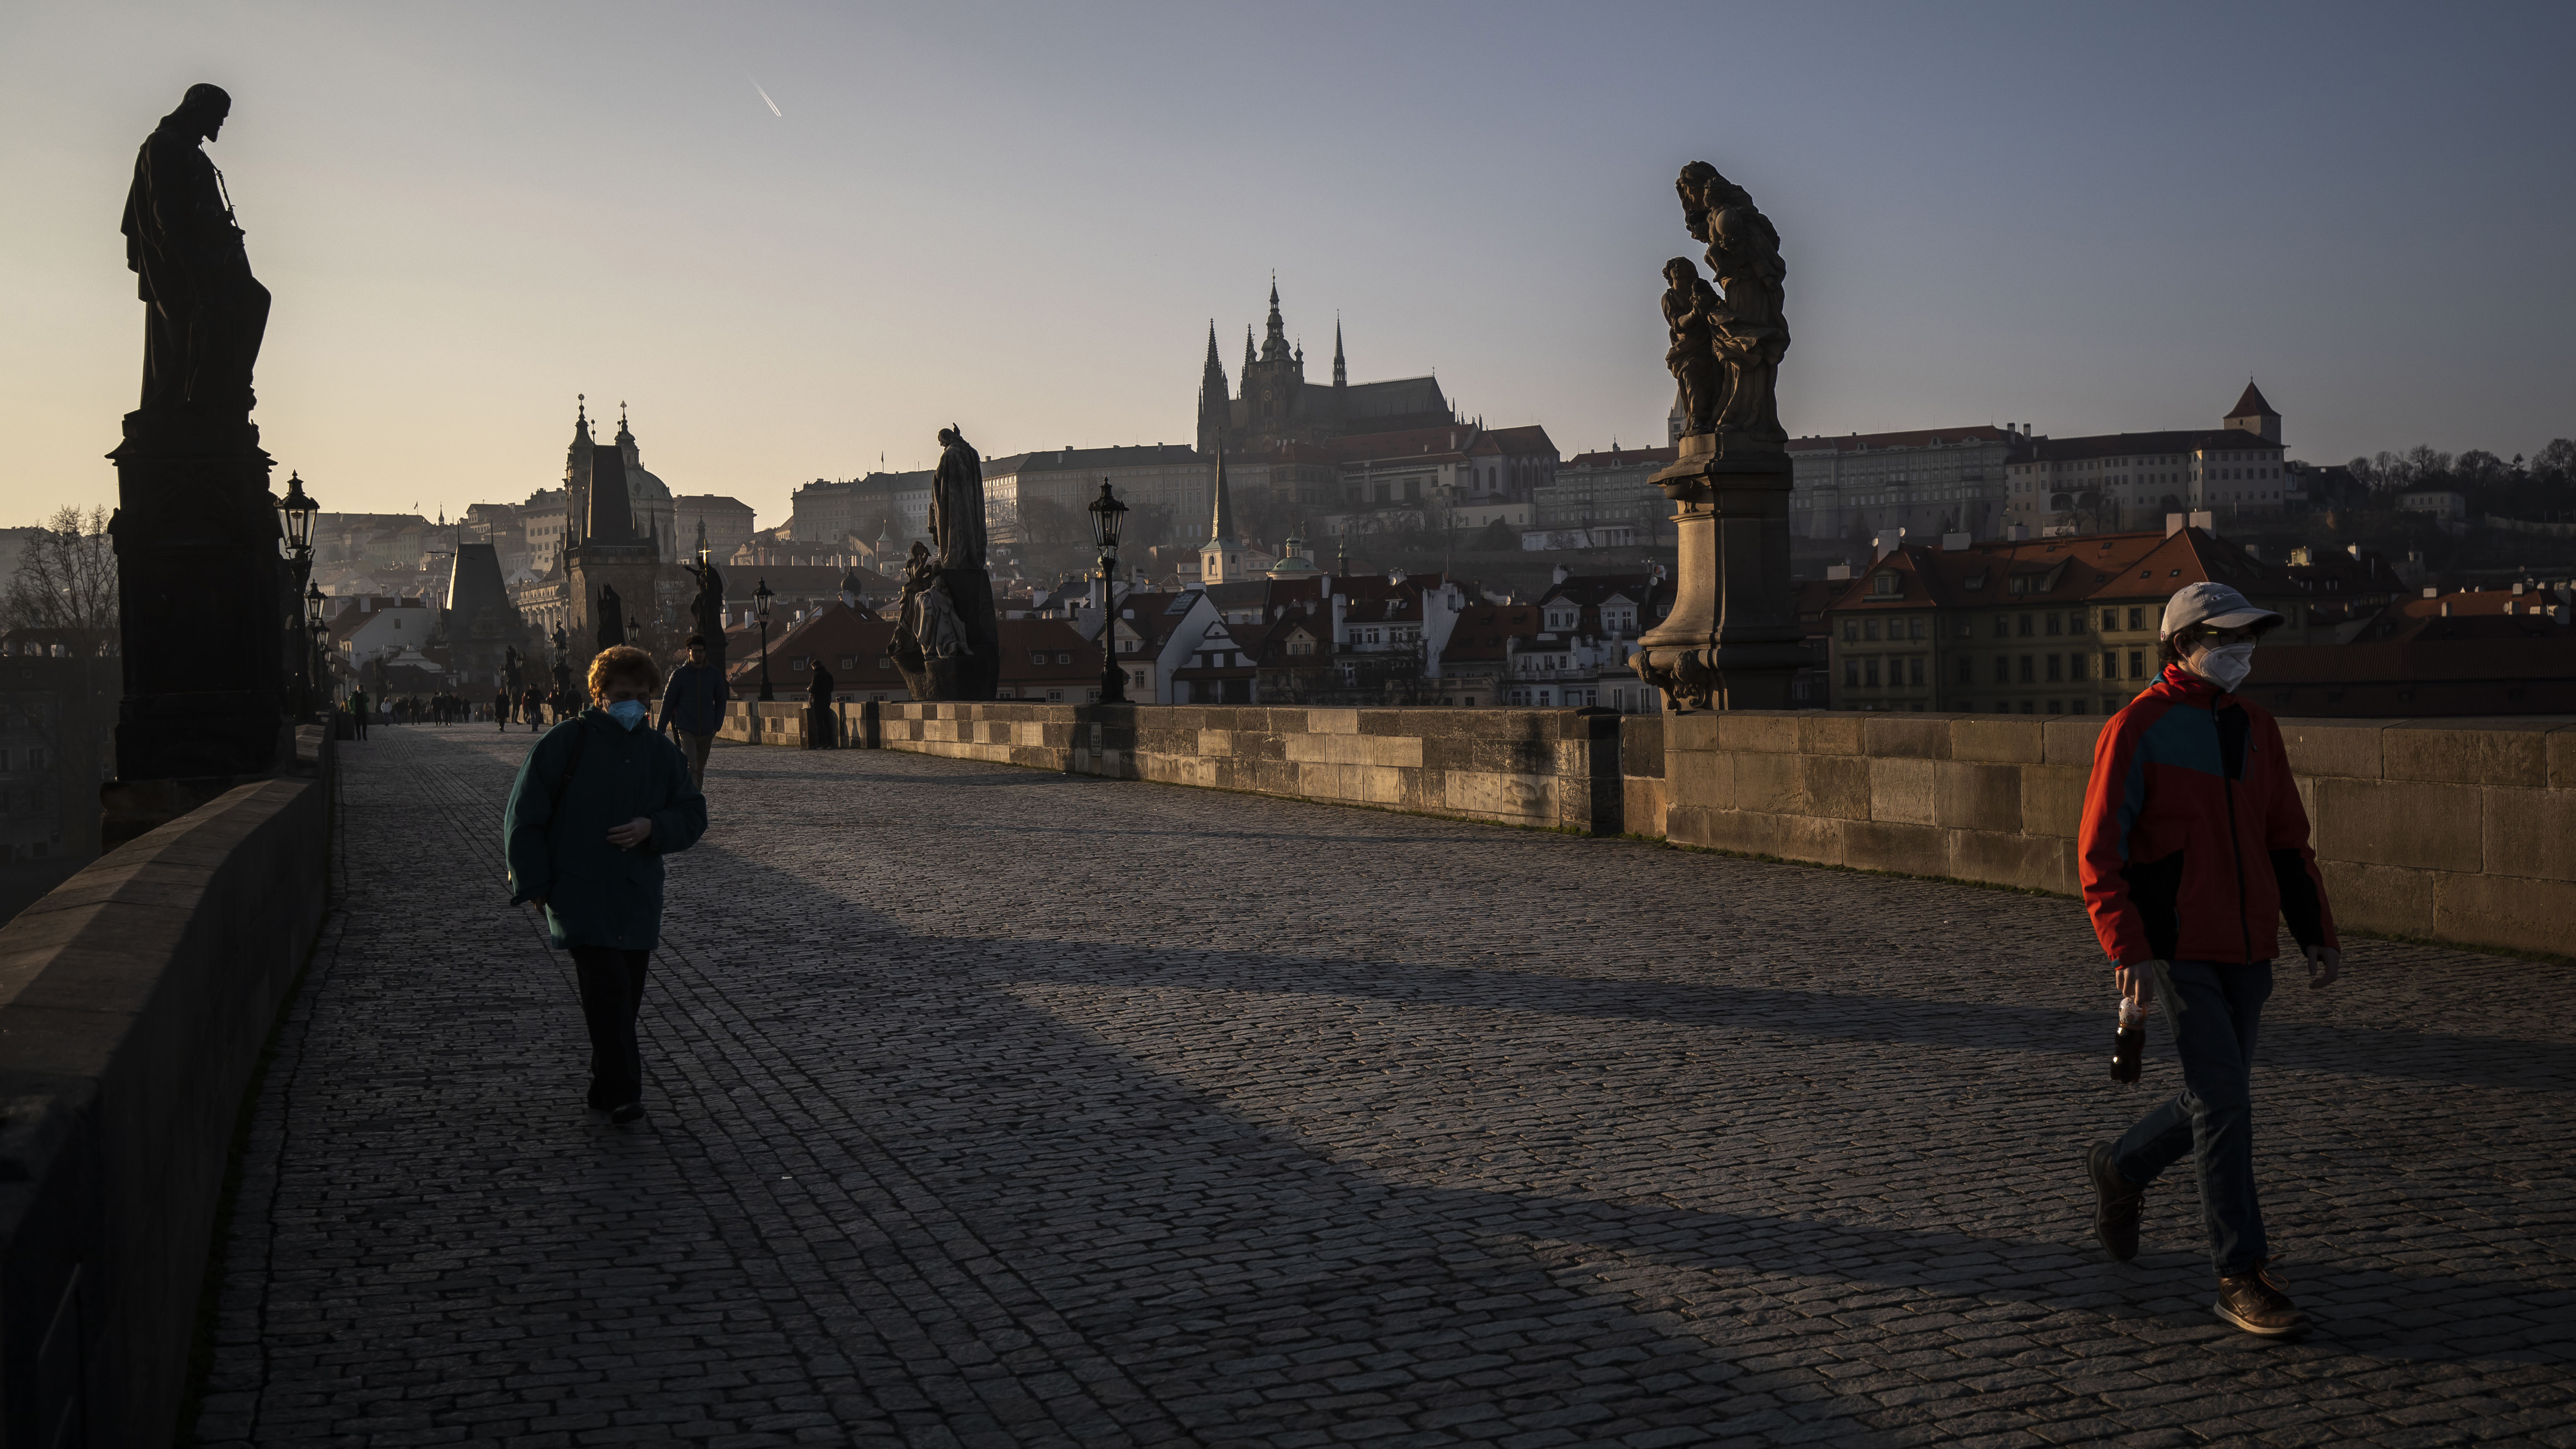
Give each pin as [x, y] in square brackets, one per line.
[2461, 831]
[135, 1000]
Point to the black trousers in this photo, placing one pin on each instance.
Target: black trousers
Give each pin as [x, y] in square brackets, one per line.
[612, 986]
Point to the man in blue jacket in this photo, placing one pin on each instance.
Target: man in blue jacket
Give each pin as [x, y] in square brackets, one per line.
[693, 707]
[598, 803]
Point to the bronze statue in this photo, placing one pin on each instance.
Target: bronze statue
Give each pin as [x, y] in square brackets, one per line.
[707, 609]
[957, 503]
[926, 617]
[612, 617]
[1750, 334]
[510, 671]
[205, 312]
[1690, 309]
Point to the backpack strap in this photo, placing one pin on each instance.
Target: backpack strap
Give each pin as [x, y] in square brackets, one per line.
[580, 737]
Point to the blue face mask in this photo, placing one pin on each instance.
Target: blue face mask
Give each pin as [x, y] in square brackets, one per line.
[628, 712]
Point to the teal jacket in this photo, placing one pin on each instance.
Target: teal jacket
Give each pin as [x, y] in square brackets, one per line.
[595, 893]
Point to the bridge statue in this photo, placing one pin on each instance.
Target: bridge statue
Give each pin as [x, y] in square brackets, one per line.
[1731, 638]
[947, 643]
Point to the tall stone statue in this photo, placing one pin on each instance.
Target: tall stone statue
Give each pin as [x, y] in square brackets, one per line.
[1749, 333]
[707, 608]
[947, 642]
[511, 674]
[196, 531]
[206, 312]
[612, 617]
[957, 503]
[1730, 639]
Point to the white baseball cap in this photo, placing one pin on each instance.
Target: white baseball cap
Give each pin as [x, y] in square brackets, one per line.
[2215, 605]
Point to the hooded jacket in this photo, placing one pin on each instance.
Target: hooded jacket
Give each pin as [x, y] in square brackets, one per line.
[595, 893]
[2194, 845]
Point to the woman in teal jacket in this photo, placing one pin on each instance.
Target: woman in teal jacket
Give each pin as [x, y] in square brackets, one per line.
[598, 803]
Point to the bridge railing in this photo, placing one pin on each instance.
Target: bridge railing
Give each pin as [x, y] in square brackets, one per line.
[2457, 831]
[135, 1000]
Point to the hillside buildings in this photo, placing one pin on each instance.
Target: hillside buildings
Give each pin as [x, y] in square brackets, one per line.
[2120, 481]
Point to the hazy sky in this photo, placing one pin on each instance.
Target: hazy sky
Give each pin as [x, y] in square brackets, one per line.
[1022, 218]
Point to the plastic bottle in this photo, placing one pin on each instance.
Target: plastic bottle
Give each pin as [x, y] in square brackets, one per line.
[2130, 1044]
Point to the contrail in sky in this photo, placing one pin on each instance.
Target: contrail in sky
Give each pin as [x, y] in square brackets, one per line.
[764, 95]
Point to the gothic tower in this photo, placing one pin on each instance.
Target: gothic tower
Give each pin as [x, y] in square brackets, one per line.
[1214, 397]
[1341, 369]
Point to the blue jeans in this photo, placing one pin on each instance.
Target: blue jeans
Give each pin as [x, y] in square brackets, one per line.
[2213, 1017]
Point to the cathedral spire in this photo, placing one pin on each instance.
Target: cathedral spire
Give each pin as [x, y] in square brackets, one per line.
[1274, 346]
[1248, 354]
[1213, 396]
[1221, 511]
[1341, 370]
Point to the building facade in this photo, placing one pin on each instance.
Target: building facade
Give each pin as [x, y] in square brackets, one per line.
[2042, 626]
[2129, 481]
[1932, 482]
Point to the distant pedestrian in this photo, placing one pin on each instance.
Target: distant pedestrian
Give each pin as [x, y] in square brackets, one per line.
[693, 707]
[820, 722]
[501, 708]
[533, 705]
[358, 712]
[2194, 850]
[598, 803]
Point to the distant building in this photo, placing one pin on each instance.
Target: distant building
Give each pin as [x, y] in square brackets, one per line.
[1045, 498]
[728, 522]
[1930, 482]
[895, 505]
[2043, 626]
[2123, 481]
[1603, 500]
[1275, 404]
[2442, 504]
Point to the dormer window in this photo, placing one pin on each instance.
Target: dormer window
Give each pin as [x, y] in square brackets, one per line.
[1886, 581]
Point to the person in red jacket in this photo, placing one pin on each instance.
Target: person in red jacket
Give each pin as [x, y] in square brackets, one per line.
[2194, 850]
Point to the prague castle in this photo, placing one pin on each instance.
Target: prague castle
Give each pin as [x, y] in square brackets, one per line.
[1276, 404]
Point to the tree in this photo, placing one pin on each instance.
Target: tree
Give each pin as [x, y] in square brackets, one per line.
[66, 584]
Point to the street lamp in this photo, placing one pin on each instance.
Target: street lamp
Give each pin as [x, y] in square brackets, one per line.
[1108, 515]
[317, 622]
[295, 514]
[760, 598]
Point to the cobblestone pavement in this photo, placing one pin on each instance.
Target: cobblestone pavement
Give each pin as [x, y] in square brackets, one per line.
[993, 1107]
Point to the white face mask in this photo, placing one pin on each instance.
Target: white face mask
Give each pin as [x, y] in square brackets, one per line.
[2224, 665]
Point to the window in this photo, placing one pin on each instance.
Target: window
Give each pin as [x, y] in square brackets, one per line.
[884, 662]
[2003, 629]
[1967, 670]
[1914, 629]
[2025, 625]
[1869, 670]
[1914, 669]
[2053, 707]
[2003, 669]
[2137, 664]
[2135, 615]
[2075, 622]
[1851, 672]
[1869, 630]
[2110, 665]
[1036, 658]
[1886, 582]
[35, 758]
[2052, 624]
[2026, 678]
[2053, 675]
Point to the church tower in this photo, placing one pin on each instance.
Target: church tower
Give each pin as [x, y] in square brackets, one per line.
[1341, 369]
[1221, 557]
[1214, 397]
[577, 472]
[2254, 415]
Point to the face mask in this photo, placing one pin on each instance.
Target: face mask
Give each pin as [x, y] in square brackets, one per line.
[628, 712]
[2224, 665]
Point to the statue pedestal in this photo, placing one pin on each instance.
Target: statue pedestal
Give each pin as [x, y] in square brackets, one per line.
[1732, 640]
[974, 675]
[198, 583]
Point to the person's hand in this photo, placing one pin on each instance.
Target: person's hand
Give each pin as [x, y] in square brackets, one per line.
[631, 834]
[2325, 963]
[2137, 983]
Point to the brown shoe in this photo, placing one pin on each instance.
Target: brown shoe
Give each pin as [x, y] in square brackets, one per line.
[2257, 1303]
[2116, 1201]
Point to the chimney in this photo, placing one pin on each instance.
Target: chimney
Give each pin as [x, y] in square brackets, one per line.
[1889, 541]
[1837, 573]
[2017, 533]
[1954, 542]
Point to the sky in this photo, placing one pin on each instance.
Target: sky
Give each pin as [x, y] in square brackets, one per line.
[1023, 219]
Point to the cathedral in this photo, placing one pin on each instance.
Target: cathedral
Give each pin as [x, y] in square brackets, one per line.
[1277, 405]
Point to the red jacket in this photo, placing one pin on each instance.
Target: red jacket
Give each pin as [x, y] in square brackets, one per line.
[2194, 844]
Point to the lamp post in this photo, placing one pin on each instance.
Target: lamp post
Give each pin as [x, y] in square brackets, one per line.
[317, 623]
[1108, 515]
[760, 597]
[295, 517]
